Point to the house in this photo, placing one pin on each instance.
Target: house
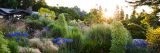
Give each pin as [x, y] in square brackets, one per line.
[10, 14]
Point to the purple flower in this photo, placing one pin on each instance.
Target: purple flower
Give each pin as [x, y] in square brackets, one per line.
[67, 40]
[13, 34]
[46, 28]
[56, 40]
[25, 34]
[60, 41]
[139, 43]
[17, 39]
[17, 34]
[10, 35]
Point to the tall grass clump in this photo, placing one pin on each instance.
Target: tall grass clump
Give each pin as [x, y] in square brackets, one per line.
[98, 39]
[120, 38]
[76, 35]
[6, 26]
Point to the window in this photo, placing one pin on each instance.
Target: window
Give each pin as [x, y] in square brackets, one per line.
[1, 16]
[17, 16]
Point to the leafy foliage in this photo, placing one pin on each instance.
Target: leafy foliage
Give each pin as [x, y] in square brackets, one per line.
[46, 13]
[144, 19]
[119, 14]
[3, 44]
[153, 39]
[59, 27]
[94, 16]
[39, 4]
[16, 3]
[13, 46]
[9, 3]
[136, 25]
[68, 12]
[120, 38]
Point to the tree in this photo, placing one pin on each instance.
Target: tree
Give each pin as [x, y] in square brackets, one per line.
[46, 13]
[68, 11]
[26, 3]
[39, 4]
[119, 14]
[23, 4]
[94, 16]
[144, 20]
[122, 16]
[135, 25]
[144, 2]
[9, 3]
[78, 10]
[152, 3]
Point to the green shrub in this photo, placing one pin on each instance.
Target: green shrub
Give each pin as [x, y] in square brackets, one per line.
[13, 46]
[61, 20]
[137, 31]
[120, 38]
[59, 27]
[3, 44]
[36, 23]
[98, 39]
[153, 39]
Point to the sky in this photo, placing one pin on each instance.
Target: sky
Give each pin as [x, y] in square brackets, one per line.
[109, 6]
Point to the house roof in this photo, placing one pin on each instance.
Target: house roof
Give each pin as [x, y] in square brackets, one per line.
[6, 11]
[1, 13]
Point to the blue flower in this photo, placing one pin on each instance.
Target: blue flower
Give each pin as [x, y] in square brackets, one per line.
[46, 28]
[60, 41]
[67, 40]
[17, 39]
[139, 43]
[17, 34]
[11, 35]
[25, 34]
[56, 40]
